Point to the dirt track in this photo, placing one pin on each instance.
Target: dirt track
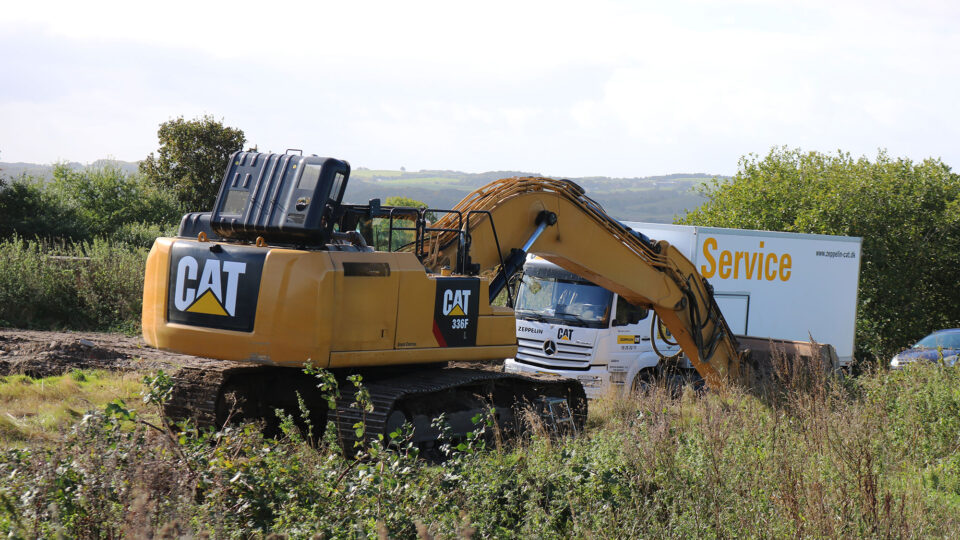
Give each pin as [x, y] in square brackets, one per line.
[44, 353]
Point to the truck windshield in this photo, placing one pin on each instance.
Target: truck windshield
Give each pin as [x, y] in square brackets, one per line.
[559, 296]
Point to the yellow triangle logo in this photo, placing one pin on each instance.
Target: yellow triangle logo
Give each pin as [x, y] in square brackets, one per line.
[565, 338]
[456, 311]
[208, 303]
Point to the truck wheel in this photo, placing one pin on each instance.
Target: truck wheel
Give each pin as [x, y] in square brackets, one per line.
[642, 382]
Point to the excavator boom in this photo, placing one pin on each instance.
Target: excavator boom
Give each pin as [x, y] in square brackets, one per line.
[584, 240]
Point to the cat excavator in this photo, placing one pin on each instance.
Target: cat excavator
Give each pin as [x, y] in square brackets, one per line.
[283, 274]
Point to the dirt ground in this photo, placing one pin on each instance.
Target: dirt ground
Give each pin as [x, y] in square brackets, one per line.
[41, 353]
[45, 353]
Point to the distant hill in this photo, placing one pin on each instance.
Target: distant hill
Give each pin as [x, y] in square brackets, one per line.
[652, 198]
[15, 170]
[649, 198]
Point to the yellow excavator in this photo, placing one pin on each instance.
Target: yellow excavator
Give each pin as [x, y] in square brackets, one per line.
[282, 273]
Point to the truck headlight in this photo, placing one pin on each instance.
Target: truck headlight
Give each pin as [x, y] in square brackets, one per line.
[950, 360]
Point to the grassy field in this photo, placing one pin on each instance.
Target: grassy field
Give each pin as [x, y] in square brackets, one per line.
[371, 173]
[811, 456]
[36, 410]
[425, 182]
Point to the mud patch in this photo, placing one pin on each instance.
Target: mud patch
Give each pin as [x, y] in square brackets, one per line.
[57, 357]
[43, 354]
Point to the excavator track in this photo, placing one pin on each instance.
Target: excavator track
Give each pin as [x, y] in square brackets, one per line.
[197, 391]
[215, 392]
[421, 396]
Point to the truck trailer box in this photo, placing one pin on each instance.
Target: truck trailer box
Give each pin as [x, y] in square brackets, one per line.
[767, 285]
[776, 284]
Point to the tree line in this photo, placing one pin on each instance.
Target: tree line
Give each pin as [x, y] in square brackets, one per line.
[908, 214]
[103, 201]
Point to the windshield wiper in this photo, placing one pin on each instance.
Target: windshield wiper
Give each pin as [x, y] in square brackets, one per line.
[531, 316]
[571, 318]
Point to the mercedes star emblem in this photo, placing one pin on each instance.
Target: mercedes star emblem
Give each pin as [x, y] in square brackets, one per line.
[550, 348]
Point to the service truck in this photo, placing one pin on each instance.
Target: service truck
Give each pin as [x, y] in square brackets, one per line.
[767, 284]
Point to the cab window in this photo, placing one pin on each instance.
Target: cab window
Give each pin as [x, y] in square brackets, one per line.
[628, 313]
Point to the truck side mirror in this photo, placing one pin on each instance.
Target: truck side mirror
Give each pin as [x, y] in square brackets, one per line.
[627, 313]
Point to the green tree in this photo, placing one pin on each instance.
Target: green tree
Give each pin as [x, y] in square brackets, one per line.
[29, 208]
[107, 198]
[907, 213]
[191, 159]
[399, 200]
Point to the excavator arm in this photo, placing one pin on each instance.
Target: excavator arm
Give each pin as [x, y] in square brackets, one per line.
[509, 218]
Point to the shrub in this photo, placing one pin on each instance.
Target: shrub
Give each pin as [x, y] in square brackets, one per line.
[29, 208]
[722, 465]
[106, 198]
[133, 236]
[86, 286]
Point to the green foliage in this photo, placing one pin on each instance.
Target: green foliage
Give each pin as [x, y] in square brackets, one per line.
[398, 200]
[80, 205]
[907, 213]
[925, 425]
[84, 267]
[40, 408]
[380, 227]
[133, 236]
[107, 199]
[28, 207]
[191, 159]
[89, 285]
[870, 457]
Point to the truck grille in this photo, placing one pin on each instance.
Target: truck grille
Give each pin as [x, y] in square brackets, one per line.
[567, 355]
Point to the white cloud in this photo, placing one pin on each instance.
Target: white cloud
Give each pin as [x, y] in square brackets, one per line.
[610, 87]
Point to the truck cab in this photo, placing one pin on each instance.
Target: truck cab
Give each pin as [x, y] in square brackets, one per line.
[572, 327]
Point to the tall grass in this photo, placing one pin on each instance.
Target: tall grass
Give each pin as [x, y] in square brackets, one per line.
[872, 457]
[86, 286]
[38, 409]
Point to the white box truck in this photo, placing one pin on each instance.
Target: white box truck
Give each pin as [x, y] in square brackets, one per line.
[767, 284]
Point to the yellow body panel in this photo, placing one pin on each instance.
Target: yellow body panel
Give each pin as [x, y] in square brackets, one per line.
[366, 307]
[419, 356]
[310, 309]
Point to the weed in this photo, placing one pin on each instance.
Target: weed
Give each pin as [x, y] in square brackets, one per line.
[89, 285]
[875, 456]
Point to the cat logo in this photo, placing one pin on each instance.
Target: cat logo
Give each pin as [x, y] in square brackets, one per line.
[456, 303]
[565, 334]
[455, 312]
[214, 287]
[215, 294]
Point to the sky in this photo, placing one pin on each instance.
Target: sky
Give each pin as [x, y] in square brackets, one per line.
[599, 88]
